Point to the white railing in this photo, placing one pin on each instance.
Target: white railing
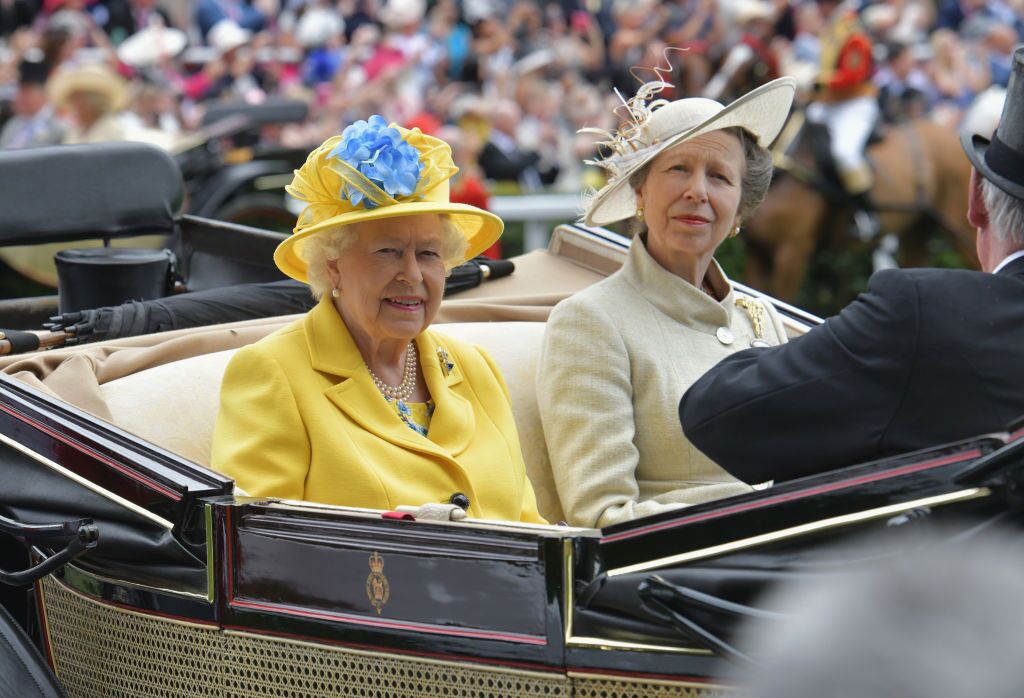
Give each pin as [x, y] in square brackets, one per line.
[538, 213]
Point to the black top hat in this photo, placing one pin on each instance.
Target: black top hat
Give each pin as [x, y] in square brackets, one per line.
[1001, 160]
[33, 72]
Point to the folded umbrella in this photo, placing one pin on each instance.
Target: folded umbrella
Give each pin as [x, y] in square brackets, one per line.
[210, 307]
[196, 309]
[474, 272]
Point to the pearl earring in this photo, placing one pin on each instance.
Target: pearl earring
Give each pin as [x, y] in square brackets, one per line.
[735, 231]
[335, 293]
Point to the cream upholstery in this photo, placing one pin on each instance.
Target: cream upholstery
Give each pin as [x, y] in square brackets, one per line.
[174, 405]
[515, 347]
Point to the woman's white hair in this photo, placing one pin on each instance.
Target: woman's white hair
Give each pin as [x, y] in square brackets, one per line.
[1005, 213]
[330, 245]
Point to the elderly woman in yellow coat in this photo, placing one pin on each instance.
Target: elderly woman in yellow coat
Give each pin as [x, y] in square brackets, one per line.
[359, 403]
[619, 355]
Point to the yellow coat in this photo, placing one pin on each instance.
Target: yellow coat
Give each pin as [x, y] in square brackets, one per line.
[300, 418]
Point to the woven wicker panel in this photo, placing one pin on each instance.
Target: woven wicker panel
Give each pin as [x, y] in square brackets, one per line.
[261, 666]
[611, 688]
[101, 651]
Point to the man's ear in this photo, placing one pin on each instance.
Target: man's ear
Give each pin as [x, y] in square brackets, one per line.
[977, 212]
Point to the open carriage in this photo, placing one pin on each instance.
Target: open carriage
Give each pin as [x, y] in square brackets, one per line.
[192, 588]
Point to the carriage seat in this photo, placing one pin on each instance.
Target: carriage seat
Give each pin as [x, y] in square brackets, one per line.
[174, 405]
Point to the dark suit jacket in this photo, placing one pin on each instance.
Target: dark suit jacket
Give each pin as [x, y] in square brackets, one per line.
[20, 13]
[924, 357]
[122, 20]
[501, 166]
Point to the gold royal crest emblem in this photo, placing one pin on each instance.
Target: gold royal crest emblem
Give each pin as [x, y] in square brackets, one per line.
[377, 588]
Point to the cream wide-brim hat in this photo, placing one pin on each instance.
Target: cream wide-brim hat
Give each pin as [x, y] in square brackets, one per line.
[397, 14]
[317, 181]
[762, 112]
[750, 10]
[90, 77]
[151, 45]
[227, 35]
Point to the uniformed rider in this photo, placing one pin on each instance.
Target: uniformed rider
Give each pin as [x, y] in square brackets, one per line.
[846, 102]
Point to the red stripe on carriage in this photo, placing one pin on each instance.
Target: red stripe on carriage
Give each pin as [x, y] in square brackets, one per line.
[141, 479]
[390, 624]
[821, 489]
[307, 638]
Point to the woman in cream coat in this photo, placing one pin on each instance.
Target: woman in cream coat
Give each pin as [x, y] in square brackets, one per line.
[618, 356]
[358, 403]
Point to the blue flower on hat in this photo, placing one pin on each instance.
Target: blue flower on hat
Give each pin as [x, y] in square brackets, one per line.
[380, 154]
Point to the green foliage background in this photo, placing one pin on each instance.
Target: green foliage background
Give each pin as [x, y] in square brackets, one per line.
[836, 276]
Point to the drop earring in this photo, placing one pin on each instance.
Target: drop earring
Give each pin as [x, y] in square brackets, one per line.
[640, 213]
[335, 293]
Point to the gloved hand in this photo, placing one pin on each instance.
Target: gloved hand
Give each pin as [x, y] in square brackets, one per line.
[434, 511]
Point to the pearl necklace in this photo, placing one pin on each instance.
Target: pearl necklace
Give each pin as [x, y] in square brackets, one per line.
[404, 389]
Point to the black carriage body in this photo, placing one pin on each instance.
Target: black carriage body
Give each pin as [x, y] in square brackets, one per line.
[263, 593]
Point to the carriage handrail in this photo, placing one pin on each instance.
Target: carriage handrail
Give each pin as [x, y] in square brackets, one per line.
[993, 465]
[84, 536]
[651, 592]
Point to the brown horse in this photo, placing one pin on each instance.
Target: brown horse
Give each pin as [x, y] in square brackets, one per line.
[921, 180]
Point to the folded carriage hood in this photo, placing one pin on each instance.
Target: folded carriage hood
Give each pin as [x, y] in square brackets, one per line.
[61, 464]
[134, 546]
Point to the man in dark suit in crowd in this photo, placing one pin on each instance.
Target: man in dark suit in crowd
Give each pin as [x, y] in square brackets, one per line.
[924, 357]
[35, 121]
[503, 160]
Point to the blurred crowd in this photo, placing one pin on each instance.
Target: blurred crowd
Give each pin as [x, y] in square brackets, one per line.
[507, 82]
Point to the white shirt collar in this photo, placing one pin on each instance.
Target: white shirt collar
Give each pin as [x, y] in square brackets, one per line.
[1016, 255]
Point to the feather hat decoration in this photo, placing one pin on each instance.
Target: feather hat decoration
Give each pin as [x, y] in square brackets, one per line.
[629, 140]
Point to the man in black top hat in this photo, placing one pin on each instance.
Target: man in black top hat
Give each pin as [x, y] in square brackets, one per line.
[34, 122]
[924, 357]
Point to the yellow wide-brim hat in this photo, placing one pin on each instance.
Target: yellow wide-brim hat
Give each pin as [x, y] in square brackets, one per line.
[88, 77]
[370, 172]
